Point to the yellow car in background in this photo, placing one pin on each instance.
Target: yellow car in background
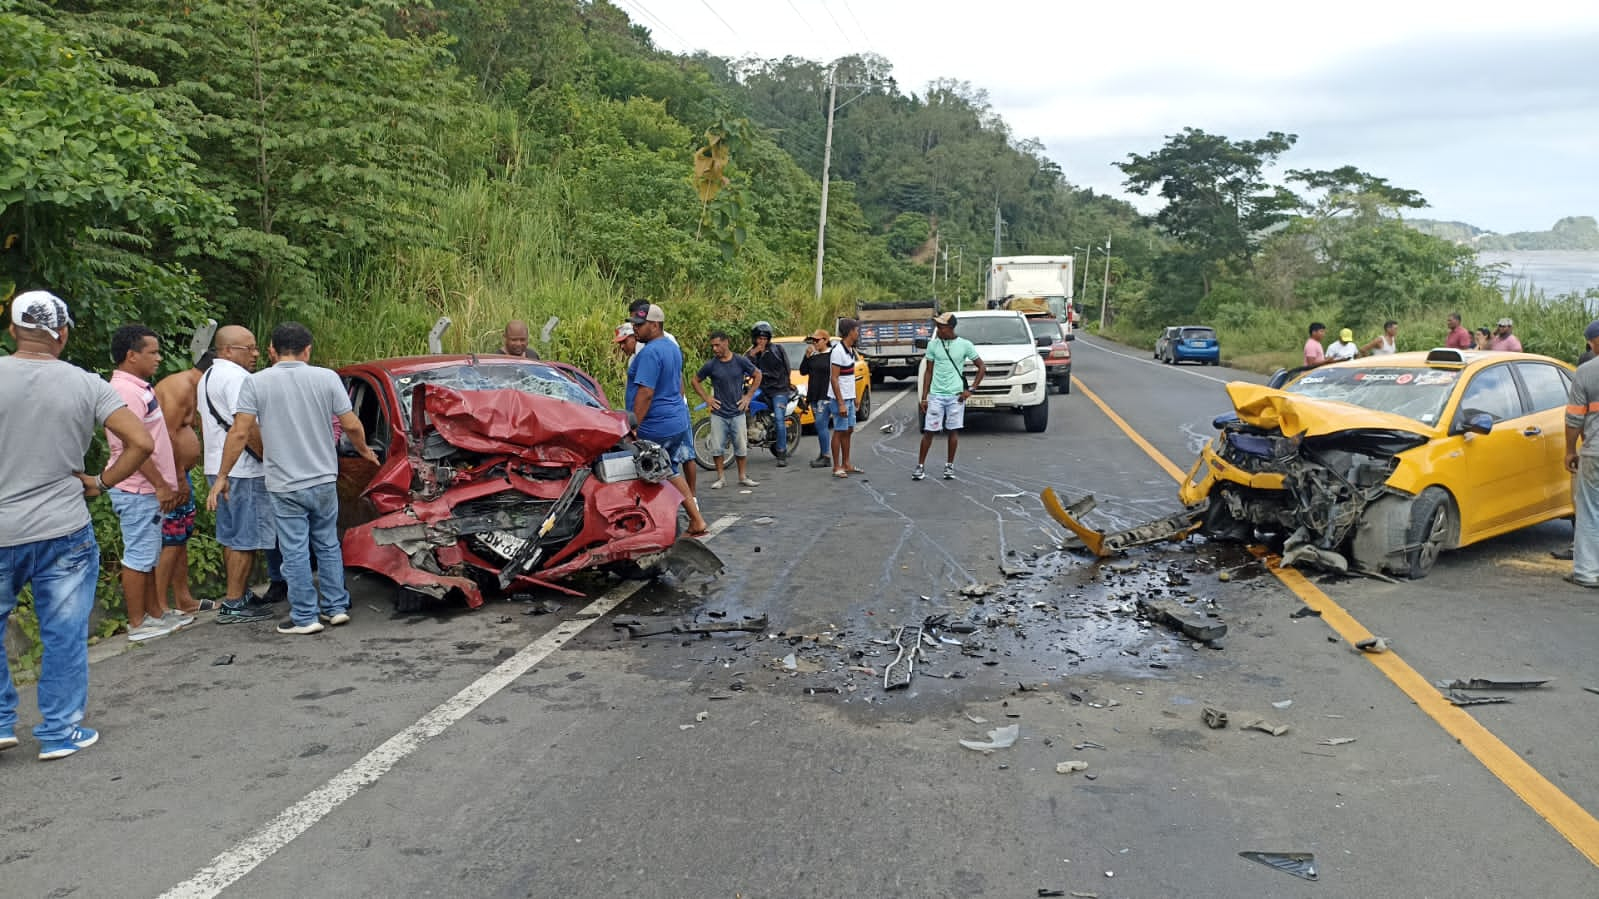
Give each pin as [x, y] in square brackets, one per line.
[1382, 463]
[794, 349]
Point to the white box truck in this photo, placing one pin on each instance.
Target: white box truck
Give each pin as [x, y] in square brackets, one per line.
[1034, 277]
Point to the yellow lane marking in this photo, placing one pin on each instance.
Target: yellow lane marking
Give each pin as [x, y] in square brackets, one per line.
[1562, 812]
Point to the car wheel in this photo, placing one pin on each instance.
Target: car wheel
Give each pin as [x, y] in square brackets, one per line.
[1036, 418]
[702, 444]
[1432, 530]
[1066, 383]
[863, 409]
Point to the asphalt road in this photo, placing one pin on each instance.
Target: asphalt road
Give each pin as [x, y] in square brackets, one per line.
[497, 753]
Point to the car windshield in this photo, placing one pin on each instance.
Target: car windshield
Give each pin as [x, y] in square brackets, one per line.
[1198, 334]
[795, 352]
[993, 330]
[1044, 327]
[1417, 393]
[528, 377]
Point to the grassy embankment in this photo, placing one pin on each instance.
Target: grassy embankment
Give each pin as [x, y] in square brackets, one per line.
[506, 259]
[1269, 339]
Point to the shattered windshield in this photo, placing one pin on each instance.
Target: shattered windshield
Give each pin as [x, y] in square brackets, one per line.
[528, 377]
[1415, 393]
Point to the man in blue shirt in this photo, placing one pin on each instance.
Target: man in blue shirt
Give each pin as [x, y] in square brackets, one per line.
[655, 396]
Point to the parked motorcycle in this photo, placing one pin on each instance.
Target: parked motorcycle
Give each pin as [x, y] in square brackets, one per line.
[761, 424]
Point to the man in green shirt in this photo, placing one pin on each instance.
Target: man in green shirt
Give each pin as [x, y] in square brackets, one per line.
[945, 391]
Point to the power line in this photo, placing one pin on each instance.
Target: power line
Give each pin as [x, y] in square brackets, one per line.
[659, 21]
[857, 22]
[719, 18]
[847, 42]
[802, 17]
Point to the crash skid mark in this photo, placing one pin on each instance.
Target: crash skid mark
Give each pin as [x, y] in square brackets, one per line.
[242, 858]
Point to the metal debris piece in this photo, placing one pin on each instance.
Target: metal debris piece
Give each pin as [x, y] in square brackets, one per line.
[1592, 689]
[1463, 699]
[1305, 612]
[223, 660]
[1372, 645]
[654, 627]
[1335, 741]
[1045, 891]
[1087, 744]
[1009, 495]
[1085, 895]
[998, 738]
[1069, 767]
[1282, 704]
[977, 589]
[1493, 683]
[765, 519]
[701, 716]
[1214, 718]
[1183, 620]
[1101, 544]
[1299, 864]
[897, 675]
[1266, 727]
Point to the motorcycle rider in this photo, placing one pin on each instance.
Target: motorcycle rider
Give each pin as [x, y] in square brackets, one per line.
[773, 365]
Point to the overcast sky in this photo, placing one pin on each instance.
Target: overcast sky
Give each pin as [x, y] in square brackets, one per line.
[1491, 112]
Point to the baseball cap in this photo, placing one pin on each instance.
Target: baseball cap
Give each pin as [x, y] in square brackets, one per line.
[652, 313]
[42, 311]
[1591, 331]
[947, 318]
[821, 334]
[1346, 335]
[623, 332]
[1506, 323]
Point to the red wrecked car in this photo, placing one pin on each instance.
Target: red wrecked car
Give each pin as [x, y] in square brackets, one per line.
[497, 474]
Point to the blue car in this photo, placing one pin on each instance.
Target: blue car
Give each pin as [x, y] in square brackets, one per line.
[1190, 343]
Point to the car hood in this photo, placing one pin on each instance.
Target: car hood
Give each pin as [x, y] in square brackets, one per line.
[1298, 416]
[1006, 352]
[511, 422]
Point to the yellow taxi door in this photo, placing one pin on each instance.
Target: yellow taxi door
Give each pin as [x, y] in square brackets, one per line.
[1546, 387]
[1501, 468]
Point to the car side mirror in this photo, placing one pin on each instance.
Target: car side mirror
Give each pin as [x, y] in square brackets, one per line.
[921, 342]
[1278, 378]
[1475, 422]
[1070, 337]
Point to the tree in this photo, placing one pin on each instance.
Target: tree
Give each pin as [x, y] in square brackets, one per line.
[93, 181]
[1218, 202]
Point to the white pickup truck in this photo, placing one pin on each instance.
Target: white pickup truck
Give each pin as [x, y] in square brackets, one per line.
[1015, 380]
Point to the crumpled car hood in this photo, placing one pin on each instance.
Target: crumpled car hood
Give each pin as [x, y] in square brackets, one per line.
[512, 422]
[1298, 416]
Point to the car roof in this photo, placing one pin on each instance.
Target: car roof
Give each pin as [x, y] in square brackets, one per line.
[1469, 359]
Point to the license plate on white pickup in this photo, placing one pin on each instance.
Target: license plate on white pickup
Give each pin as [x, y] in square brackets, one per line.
[980, 402]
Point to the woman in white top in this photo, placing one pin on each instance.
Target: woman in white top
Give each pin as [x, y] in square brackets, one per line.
[1383, 345]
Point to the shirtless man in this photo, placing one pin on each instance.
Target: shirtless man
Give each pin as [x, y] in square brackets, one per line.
[176, 394]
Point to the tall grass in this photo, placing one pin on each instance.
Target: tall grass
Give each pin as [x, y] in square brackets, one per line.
[504, 258]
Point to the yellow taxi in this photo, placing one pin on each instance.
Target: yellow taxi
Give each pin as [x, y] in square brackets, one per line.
[794, 349]
[1382, 463]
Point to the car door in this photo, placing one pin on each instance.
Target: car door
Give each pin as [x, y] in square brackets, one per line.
[1502, 480]
[356, 473]
[1546, 387]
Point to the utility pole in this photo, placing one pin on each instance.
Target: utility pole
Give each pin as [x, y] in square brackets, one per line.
[1104, 291]
[1088, 257]
[997, 224]
[935, 268]
[959, 286]
[827, 159]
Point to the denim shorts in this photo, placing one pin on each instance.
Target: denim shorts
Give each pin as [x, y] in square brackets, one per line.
[140, 517]
[245, 522]
[944, 413]
[680, 447]
[725, 430]
[843, 415]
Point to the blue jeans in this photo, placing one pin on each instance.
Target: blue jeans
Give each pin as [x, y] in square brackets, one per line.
[308, 521]
[62, 572]
[822, 411]
[779, 404]
[1585, 539]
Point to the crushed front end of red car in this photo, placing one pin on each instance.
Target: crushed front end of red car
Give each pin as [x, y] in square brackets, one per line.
[504, 489]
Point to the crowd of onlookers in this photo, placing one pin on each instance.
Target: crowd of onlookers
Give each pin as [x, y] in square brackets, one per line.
[1502, 338]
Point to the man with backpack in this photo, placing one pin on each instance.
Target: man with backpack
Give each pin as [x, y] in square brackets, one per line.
[775, 383]
[945, 391]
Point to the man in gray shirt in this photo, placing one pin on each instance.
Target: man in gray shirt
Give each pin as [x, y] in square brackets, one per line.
[294, 405]
[51, 409]
[1582, 427]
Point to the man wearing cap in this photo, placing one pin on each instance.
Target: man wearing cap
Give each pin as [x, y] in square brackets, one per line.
[155, 489]
[654, 396]
[50, 410]
[1343, 348]
[1503, 340]
[636, 312]
[1582, 460]
[945, 391]
[625, 342]
[816, 367]
[516, 340]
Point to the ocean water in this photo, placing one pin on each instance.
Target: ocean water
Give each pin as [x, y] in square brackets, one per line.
[1554, 272]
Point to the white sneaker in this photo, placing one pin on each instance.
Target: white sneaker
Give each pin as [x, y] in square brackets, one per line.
[718, 484]
[287, 626]
[335, 619]
[149, 630]
[749, 482]
[177, 619]
[949, 471]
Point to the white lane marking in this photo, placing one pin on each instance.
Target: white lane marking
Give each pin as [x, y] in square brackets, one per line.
[891, 401]
[261, 845]
[1186, 371]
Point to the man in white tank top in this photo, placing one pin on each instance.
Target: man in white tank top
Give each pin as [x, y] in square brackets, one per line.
[1383, 345]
